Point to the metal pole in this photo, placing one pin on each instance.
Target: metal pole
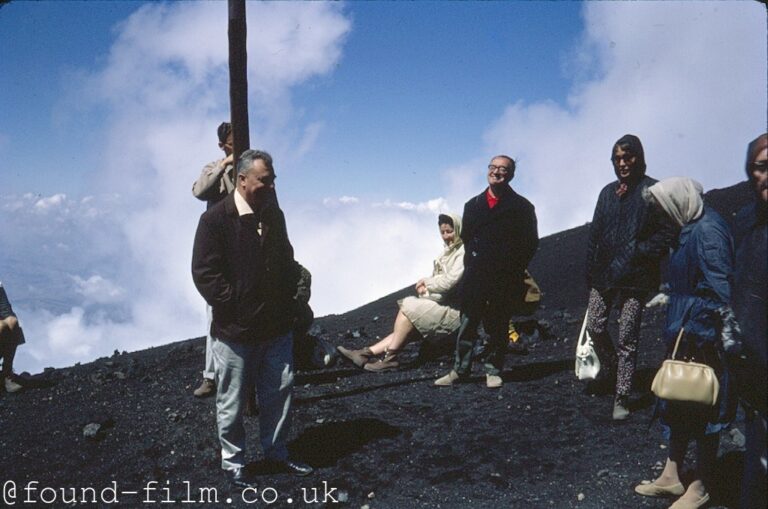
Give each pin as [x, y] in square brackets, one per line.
[238, 78]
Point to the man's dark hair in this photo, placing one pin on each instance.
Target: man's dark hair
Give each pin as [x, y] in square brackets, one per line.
[632, 145]
[223, 131]
[512, 163]
[248, 157]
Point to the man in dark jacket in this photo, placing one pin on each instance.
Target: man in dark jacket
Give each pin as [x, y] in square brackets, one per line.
[242, 264]
[749, 303]
[627, 239]
[500, 238]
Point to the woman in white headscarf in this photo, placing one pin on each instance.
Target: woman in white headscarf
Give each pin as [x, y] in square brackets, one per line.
[434, 312]
[699, 276]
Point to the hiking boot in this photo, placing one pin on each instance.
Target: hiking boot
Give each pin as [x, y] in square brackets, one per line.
[621, 408]
[11, 386]
[388, 363]
[493, 381]
[448, 379]
[358, 357]
[207, 388]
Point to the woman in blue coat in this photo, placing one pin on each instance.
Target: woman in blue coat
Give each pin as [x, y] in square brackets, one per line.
[699, 276]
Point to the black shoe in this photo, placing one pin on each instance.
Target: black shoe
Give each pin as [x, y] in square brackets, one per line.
[298, 468]
[241, 478]
[288, 466]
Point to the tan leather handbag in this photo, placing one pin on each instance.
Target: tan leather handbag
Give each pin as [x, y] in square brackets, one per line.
[685, 381]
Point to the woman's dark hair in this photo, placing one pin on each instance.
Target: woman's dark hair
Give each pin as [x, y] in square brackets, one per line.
[445, 219]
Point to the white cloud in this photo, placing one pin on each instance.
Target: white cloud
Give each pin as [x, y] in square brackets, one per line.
[689, 78]
[436, 205]
[343, 200]
[98, 289]
[50, 202]
[112, 271]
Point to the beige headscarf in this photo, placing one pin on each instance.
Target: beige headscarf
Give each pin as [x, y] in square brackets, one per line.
[680, 197]
[456, 220]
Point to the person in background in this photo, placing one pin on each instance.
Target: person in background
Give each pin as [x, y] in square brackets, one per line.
[627, 240]
[243, 266]
[11, 336]
[434, 312]
[215, 182]
[749, 302]
[500, 238]
[699, 276]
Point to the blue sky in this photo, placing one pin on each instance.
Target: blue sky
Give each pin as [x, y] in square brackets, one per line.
[379, 115]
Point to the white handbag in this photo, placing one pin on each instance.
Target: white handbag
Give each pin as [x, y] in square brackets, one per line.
[587, 362]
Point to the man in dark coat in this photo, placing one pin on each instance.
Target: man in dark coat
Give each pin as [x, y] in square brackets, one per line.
[243, 265]
[500, 238]
[749, 303]
[627, 239]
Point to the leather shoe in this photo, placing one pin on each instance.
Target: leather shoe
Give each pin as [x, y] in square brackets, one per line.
[288, 466]
[621, 408]
[240, 477]
[207, 388]
[358, 357]
[690, 504]
[654, 490]
[448, 379]
[297, 468]
[493, 381]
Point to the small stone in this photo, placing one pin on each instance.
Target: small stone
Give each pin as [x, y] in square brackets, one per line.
[580, 497]
[604, 472]
[320, 421]
[663, 446]
[365, 506]
[371, 495]
[343, 496]
[375, 318]
[91, 430]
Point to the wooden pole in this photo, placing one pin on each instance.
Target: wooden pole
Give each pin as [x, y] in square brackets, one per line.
[238, 78]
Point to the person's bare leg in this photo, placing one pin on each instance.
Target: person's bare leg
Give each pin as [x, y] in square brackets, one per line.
[398, 338]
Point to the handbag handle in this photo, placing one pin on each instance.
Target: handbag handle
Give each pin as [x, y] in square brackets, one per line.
[583, 327]
[677, 343]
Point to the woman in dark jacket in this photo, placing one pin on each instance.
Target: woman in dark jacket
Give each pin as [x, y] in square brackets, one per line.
[626, 241]
[699, 276]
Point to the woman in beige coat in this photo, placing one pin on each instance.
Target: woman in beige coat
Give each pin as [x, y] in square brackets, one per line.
[434, 312]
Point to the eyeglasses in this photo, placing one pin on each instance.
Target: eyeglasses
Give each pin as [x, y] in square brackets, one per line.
[760, 166]
[501, 169]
